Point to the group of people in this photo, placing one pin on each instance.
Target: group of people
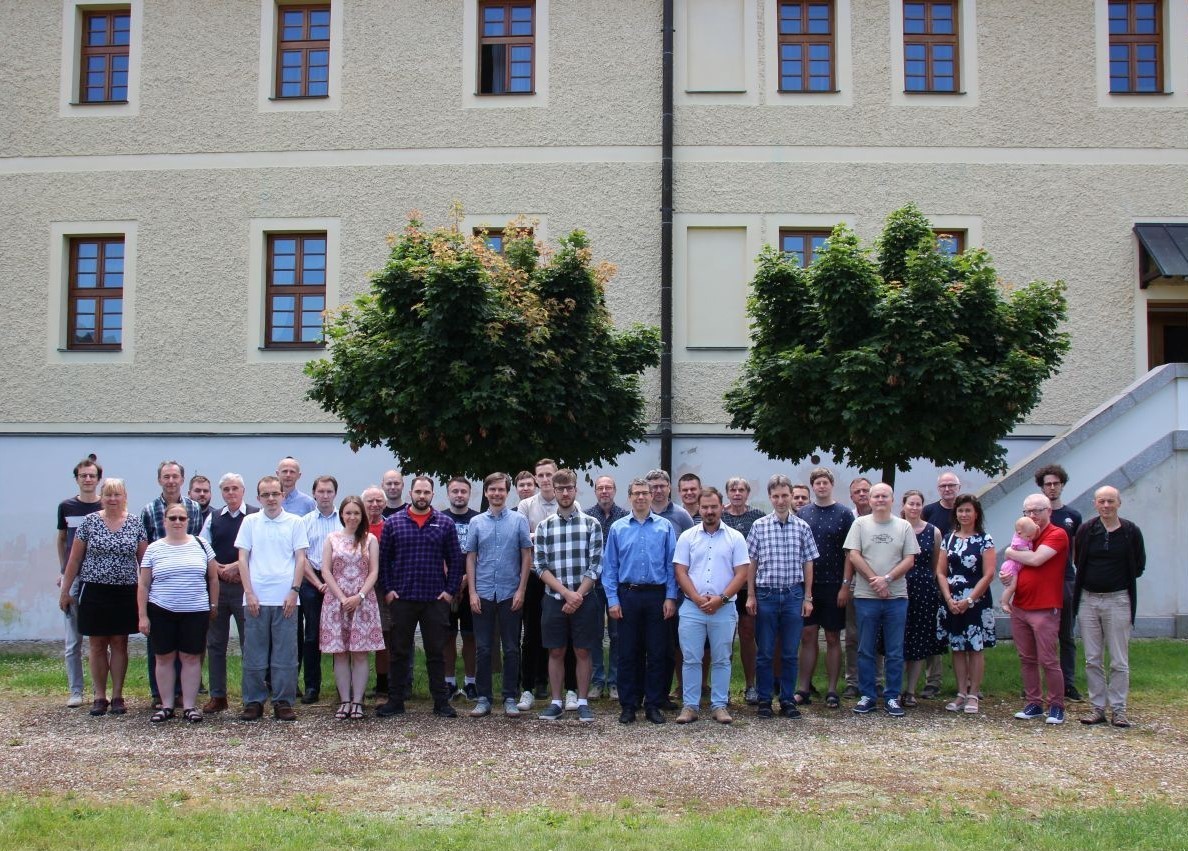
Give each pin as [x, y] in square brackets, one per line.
[671, 585]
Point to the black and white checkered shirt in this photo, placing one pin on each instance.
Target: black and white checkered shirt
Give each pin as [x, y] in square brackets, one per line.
[570, 548]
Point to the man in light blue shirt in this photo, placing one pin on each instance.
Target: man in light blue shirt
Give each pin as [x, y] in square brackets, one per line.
[637, 573]
[318, 524]
[288, 471]
[498, 559]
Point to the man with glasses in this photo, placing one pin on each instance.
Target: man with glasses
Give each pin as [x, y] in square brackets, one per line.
[1035, 611]
[272, 544]
[1051, 480]
[71, 512]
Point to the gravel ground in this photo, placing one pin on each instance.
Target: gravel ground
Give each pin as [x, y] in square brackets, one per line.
[420, 764]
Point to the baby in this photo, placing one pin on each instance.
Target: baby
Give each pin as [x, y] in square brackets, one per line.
[1025, 532]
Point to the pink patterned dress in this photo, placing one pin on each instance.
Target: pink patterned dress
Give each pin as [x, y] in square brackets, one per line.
[360, 630]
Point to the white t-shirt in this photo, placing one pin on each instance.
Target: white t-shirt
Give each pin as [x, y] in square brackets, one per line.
[272, 544]
[178, 574]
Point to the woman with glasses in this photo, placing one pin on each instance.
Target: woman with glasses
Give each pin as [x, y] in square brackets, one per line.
[106, 549]
[178, 597]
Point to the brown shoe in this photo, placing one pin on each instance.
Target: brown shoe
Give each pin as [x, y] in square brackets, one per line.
[252, 712]
[283, 711]
[688, 715]
[722, 716]
[215, 704]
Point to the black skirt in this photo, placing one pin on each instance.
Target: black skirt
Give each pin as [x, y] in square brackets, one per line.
[107, 609]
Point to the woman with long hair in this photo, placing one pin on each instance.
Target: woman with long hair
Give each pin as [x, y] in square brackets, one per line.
[920, 638]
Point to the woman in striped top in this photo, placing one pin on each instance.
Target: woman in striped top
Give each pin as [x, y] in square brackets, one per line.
[178, 596]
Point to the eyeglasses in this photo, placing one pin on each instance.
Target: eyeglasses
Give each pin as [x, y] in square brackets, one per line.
[270, 495]
[565, 488]
[948, 485]
[1053, 483]
[177, 518]
[1035, 510]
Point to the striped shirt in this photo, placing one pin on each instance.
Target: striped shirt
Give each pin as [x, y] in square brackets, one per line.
[317, 527]
[178, 574]
[780, 550]
[570, 548]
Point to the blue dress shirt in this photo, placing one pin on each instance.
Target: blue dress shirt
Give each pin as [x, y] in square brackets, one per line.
[639, 554]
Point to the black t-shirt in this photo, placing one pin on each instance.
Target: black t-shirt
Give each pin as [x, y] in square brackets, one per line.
[462, 524]
[70, 516]
[830, 524]
[389, 511]
[1069, 520]
[938, 516]
[1105, 562]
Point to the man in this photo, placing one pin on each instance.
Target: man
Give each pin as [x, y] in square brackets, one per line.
[220, 531]
[272, 549]
[606, 511]
[880, 549]
[779, 583]
[830, 522]
[71, 512]
[525, 485]
[543, 503]
[415, 545]
[712, 564]
[200, 492]
[689, 487]
[319, 523]
[940, 515]
[661, 488]
[288, 471]
[498, 560]
[637, 572]
[740, 516]
[860, 496]
[1035, 611]
[375, 504]
[567, 556]
[170, 476]
[1110, 557]
[461, 620]
[1051, 479]
[800, 497]
[393, 485]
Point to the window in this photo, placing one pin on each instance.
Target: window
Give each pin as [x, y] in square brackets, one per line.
[930, 46]
[1136, 46]
[106, 39]
[295, 297]
[807, 54]
[95, 317]
[804, 245]
[303, 52]
[497, 238]
[950, 242]
[507, 42]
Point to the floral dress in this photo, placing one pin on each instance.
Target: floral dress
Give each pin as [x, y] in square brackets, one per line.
[919, 635]
[973, 629]
[359, 630]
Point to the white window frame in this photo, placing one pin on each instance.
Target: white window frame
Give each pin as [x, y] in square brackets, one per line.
[777, 222]
[266, 92]
[967, 60]
[471, 99]
[69, 105]
[843, 61]
[59, 286]
[1175, 65]
[259, 230]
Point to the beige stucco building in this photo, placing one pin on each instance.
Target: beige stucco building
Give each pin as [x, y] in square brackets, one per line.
[192, 154]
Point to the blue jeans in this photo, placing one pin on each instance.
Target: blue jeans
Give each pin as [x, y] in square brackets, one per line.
[780, 612]
[696, 627]
[890, 616]
[606, 675]
[270, 646]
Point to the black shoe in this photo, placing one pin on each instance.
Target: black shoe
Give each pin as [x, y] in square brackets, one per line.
[1071, 693]
[392, 707]
[764, 711]
[310, 696]
[627, 716]
[444, 710]
[542, 693]
[471, 691]
[669, 705]
[789, 710]
[654, 715]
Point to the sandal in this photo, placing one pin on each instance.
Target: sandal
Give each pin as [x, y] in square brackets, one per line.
[118, 707]
[971, 704]
[343, 713]
[909, 701]
[99, 706]
[958, 704]
[193, 715]
[356, 711]
[801, 697]
[832, 700]
[165, 713]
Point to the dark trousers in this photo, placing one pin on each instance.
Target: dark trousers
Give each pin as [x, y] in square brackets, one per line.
[643, 636]
[497, 615]
[309, 627]
[434, 619]
[1068, 644]
[534, 659]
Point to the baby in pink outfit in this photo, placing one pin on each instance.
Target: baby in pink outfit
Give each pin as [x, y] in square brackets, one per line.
[1025, 532]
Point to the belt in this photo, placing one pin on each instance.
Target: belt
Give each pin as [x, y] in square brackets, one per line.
[780, 588]
[637, 586]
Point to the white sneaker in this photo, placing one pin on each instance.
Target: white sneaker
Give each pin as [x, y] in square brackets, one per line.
[614, 692]
[510, 709]
[595, 692]
[525, 702]
[571, 704]
[75, 701]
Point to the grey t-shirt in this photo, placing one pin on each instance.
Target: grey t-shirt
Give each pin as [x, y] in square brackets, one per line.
[883, 545]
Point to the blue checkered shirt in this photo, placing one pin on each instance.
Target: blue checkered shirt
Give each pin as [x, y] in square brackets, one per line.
[780, 550]
[152, 517]
[411, 557]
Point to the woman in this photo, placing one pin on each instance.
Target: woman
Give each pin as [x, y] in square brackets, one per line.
[351, 628]
[964, 573]
[738, 515]
[106, 549]
[178, 597]
[920, 639]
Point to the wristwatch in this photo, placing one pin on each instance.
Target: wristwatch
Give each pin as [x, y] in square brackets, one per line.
[295, 589]
[724, 599]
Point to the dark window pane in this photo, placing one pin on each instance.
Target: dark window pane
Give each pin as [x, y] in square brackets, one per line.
[492, 62]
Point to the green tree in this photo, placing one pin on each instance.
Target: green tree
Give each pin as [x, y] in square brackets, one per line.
[917, 355]
[462, 360]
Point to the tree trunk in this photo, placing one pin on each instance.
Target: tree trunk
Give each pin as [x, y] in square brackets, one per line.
[889, 475]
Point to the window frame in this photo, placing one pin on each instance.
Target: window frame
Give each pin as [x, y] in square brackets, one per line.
[1131, 40]
[809, 233]
[929, 39]
[305, 45]
[298, 289]
[806, 40]
[509, 41]
[959, 235]
[99, 293]
[110, 51]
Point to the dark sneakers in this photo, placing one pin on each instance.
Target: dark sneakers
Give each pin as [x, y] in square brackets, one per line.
[310, 696]
[789, 710]
[392, 707]
[764, 710]
[252, 712]
[1030, 712]
[444, 710]
[1071, 693]
[865, 706]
